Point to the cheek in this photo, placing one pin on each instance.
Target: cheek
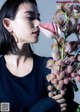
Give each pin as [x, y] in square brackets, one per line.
[22, 28]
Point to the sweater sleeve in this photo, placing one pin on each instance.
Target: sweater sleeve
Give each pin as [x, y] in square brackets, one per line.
[69, 96]
[45, 105]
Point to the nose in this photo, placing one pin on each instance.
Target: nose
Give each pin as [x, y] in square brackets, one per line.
[36, 23]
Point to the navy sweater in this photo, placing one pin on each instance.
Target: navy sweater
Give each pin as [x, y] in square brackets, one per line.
[23, 92]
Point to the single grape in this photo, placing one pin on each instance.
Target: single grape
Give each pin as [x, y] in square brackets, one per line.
[77, 78]
[50, 87]
[69, 69]
[49, 77]
[66, 81]
[66, 61]
[62, 92]
[73, 74]
[59, 87]
[61, 82]
[54, 81]
[62, 74]
[78, 57]
[72, 59]
[78, 71]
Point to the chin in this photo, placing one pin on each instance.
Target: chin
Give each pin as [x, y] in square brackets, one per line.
[36, 40]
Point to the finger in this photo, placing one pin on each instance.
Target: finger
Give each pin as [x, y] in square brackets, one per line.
[61, 101]
[50, 87]
[57, 97]
[50, 94]
[54, 93]
[63, 105]
[63, 109]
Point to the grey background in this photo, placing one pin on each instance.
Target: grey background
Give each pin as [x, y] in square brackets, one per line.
[43, 48]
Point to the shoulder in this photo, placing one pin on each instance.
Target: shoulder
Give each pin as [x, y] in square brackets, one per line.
[41, 58]
[41, 61]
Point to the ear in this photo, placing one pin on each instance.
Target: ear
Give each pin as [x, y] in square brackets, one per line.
[7, 24]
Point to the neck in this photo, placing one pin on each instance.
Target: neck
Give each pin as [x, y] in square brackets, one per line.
[24, 50]
[20, 57]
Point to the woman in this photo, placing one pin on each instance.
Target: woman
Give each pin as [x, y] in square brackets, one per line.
[22, 73]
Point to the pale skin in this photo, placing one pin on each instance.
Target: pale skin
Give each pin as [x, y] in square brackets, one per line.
[25, 30]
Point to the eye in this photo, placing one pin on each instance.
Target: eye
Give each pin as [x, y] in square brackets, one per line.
[33, 18]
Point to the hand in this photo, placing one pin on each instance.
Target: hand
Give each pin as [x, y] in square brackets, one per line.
[59, 98]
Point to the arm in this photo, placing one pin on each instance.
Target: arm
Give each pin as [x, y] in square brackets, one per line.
[45, 105]
[69, 97]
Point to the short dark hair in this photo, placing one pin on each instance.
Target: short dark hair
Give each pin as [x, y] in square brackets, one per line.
[9, 10]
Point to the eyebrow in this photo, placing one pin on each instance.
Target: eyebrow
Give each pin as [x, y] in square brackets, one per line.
[31, 12]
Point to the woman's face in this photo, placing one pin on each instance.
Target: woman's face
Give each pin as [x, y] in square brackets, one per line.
[25, 25]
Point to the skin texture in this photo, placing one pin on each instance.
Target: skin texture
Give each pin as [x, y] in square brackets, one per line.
[25, 30]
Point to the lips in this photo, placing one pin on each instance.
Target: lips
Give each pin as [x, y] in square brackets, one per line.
[36, 33]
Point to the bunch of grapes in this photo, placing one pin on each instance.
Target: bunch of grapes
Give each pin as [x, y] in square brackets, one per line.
[64, 72]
